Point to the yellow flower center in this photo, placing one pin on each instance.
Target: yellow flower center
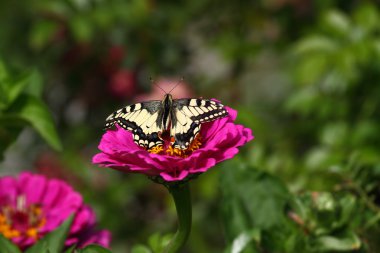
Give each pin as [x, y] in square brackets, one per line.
[22, 220]
[169, 150]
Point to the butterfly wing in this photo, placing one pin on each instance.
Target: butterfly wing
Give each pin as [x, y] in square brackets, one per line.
[187, 116]
[142, 119]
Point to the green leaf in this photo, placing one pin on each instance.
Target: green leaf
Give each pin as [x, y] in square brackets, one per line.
[3, 86]
[35, 112]
[40, 247]
[140, 249]
[10, 89]
[336, 22]
[312, 68]
[71, 249]
[94, 249]
[348, 241]
[367, 17]
[244, 240]
[3, 72]
[348, 206]
[54, 241]
[7, 137]
[317, 158]
[252, 199]
[303, 101]
[17, 86]
[81, 28]
[315, 44]
[35, 85]
[158, 242]
[42, 33]
[334, 134]
[3, 97]
[7, 246]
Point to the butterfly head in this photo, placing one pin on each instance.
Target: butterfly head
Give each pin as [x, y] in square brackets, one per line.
[168, 98]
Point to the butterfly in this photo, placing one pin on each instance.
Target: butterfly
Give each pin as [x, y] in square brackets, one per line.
[181, 118]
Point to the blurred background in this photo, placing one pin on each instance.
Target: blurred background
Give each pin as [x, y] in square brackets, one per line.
[304, 76]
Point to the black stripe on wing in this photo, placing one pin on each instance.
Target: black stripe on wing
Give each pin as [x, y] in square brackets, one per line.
[187, 117]
[126, 112]
[184, 139]
[200, 110]
[134, 117]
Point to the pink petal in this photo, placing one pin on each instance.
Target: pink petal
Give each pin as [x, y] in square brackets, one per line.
[33, 187]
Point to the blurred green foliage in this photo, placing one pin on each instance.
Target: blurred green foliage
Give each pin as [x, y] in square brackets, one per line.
[304, 75]
[54, 241]
[21, 105]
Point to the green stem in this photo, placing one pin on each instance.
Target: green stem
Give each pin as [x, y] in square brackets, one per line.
[182, 200]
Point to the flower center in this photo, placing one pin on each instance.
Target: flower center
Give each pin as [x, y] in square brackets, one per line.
[168, 149]
[21, 220]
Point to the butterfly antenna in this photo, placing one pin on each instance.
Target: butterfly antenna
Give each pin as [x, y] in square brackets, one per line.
[154, 83]
[180, 81]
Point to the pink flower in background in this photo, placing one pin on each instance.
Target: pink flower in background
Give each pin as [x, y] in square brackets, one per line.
[219, 141]
[32, 206]
[181, 91]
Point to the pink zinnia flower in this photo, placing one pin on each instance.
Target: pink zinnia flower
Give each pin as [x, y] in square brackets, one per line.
[32, 206]
[218, 140]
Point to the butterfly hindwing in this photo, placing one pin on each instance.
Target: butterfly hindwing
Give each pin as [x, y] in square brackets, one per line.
[183, 129]
[188, 114]
[142, 119]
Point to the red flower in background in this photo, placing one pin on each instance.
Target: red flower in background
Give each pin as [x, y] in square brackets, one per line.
[122, 84]
[32, 205]
[113, 60]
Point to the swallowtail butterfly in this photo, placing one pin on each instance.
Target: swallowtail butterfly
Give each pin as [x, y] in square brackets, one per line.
[181, 118]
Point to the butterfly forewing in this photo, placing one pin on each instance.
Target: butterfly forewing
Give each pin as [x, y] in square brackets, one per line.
[142, 119]
[200, 110]
[188, 114]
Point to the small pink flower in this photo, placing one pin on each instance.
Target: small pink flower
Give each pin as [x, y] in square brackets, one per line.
[32, 206]
[219, 140]
[182, 90]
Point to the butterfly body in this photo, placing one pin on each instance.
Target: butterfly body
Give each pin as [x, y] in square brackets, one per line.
[181, 118]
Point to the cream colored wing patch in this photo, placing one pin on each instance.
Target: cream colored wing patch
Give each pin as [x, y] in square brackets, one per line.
[142, 120]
